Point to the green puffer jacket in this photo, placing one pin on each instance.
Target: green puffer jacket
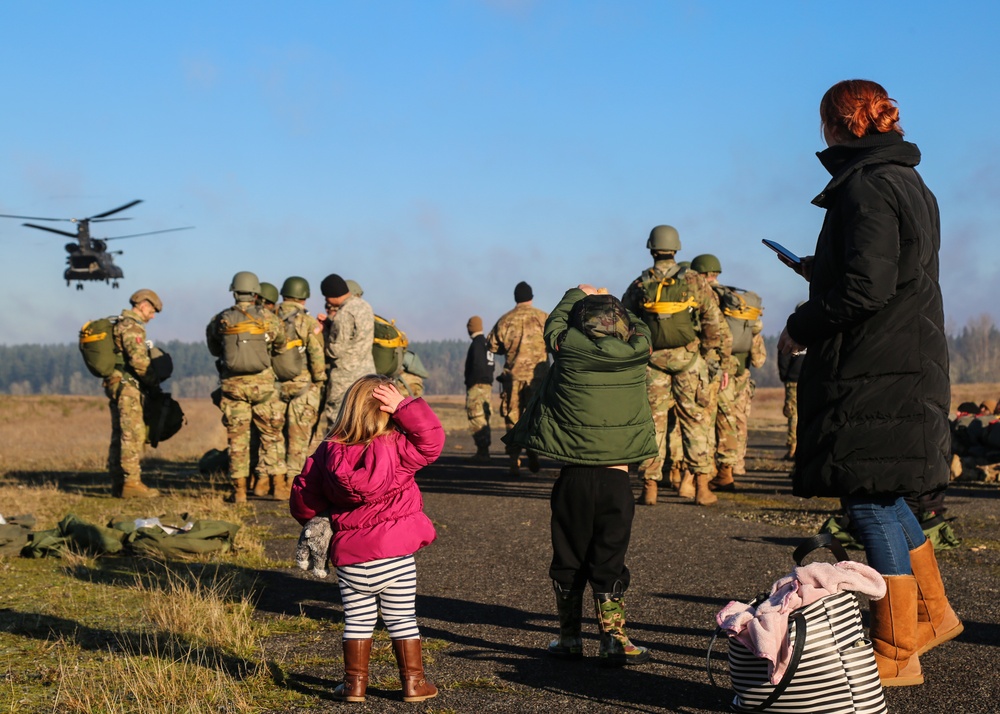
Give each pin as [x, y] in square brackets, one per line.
[592, 408]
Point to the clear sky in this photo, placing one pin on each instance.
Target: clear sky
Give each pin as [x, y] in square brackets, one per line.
[439, 151]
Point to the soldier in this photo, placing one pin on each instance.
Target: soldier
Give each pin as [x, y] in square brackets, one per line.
[410, 380]
[126, 389]
[518, 335]
[478, 389]
[268, 298]
[686, 325]
[743, 325]
[243, 338]
[789, 368]
[301, 371]
[349, 335]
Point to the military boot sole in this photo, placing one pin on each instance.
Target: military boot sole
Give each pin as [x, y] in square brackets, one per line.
[624, 660]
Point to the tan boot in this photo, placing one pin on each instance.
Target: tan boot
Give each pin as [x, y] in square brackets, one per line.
[703, 494]
[514, 470]
[356, 656]
[262, 486]
[723, 480]
[936, 621]
[648, 497]
[687, 489]
[282, 487]
[416, 687]
[675, 477]
[134, 488]
[790, 454]
[239, 494]
[894, 632]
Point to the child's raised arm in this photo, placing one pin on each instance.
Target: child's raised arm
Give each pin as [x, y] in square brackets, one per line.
[423, 436]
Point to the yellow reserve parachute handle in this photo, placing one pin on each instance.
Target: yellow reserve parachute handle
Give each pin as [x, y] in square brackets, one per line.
[251, 325]
[743, 310]
[668, 308]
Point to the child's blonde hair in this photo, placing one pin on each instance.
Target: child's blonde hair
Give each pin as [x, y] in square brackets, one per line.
[361, 419]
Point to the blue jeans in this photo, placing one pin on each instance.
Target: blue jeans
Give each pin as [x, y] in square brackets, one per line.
[889, 531]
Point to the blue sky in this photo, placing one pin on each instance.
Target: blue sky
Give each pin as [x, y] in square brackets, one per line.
[439, 152]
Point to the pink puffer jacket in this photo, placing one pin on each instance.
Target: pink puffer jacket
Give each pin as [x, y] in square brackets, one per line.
[375, 505]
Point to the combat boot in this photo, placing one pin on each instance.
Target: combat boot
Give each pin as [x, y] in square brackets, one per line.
[117, 482]
[703, 494]
[416, 686]
[569, 605]
[239, 494]
[648, 496]
[533, 465]
[616, 648]
[482, 455]
[687, 489]
[282, 487]
[134, 488]
[262, 486]
[723, 480]
[515, 468]
[790, 454]
[675, 477]
[356, 656]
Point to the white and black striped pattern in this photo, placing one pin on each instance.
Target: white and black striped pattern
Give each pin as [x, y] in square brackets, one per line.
[835, 672]
[389, 584]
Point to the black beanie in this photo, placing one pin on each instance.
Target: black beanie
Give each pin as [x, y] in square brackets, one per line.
[522, 292]
[333, 286]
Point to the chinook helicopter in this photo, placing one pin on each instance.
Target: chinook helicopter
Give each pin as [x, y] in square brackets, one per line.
[89, 258]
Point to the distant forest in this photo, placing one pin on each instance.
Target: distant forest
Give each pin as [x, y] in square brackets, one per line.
[59, 369]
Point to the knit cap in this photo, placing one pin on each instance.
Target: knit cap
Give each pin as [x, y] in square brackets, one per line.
[333, 286]
[522, 292]
[475, 324]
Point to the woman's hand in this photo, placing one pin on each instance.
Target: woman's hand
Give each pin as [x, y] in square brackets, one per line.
[804, 267]
[787, 345]
[389, 396]
[589, 289]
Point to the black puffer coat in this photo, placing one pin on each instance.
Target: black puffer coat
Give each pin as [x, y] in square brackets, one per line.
[874, 392]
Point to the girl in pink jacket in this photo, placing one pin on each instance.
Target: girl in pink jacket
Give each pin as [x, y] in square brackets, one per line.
[363, 476]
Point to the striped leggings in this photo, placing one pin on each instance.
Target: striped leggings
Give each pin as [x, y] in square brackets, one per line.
[389, 584]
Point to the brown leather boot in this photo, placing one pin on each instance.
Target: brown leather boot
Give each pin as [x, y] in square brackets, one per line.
[239, 494]
[703, 494]
[894, 632]
[134, 488]
[723, 480]
[936, 621]
[648, 497]
[416, 687]
[262, 486]
[356, 656]
[687, 489]
[282, 487]
[675, 477]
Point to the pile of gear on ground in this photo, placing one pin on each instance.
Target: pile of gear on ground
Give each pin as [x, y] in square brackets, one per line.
[975, 442]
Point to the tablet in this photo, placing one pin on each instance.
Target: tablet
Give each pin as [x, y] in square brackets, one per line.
[782, 251]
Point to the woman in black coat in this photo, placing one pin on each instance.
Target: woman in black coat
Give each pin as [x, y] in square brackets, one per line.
[874, 392]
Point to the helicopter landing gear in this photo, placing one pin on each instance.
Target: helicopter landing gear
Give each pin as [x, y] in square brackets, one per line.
[114, 284]
[79, 286]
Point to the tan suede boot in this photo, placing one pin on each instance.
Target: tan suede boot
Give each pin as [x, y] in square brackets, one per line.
[648, 497]
[356, 656]
[239, 494]
[675, 477]
[262, 486]
[723, 480]
[416, 686]
[936, 621]
[687, 489]
[894, 632]
[703, 494]
[134, 488]
[282, 487]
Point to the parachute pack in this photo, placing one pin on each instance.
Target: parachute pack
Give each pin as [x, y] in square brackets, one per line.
[389, 347]
[97, 345]
[669, 311]
[742, 309]
[291, 360]
[245, 347]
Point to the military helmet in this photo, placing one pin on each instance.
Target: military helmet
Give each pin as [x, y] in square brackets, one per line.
[354, 288]
[245, 282]
[149, 296]
[706, 263]
[295, 287]
[269, 292]
[664, 239]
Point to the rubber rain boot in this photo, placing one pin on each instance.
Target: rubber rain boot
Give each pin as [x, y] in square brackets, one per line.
[936, 621]
[569, 606]
[894, 632]
[409, 657]
[355, 685]
[616, 648]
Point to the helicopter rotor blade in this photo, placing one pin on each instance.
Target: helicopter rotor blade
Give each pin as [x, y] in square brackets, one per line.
[34, 218]
[51, 230]
[116, 210]
[150, 233]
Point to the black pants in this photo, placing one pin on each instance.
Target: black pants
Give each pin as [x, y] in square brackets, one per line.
[592, 509]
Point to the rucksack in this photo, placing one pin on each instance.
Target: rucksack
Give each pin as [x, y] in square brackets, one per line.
[741, 308]
[413, 365]
[245, 348]
[389, 346]
[291, 360]
[97, 345]
[668, 311]
[163, 416]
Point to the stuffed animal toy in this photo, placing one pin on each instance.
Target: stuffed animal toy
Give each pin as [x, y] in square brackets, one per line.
[313, 549]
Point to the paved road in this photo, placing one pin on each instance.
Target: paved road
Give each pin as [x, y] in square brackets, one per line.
[484, 594]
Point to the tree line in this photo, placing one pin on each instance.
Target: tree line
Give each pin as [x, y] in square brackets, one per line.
[59, 369]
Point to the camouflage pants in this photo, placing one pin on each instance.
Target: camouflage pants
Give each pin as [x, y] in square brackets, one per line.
[478, 409]
[791, 411]
[410, 385]
[514, 398]
[301, 415]
[745, 389]
[128, 431]
[244, 403]
[689, 394]
[727, 430]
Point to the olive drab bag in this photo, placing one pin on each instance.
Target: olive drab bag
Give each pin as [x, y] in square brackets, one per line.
[245, 345]
[97, 345]
[741, 308]
[389, 347]
[669, 311]
[290, 361]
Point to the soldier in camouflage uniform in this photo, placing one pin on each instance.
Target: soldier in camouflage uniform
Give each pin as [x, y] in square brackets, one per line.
[301, 370]
[268, 298]
[410, 381]
[244, 338]
[479, 389]
[518, 335]
[679, 377]
[349, 336]
[126, 388]
[789, 368]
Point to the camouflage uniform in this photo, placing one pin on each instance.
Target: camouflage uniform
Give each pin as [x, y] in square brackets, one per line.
[250, 398]
[791, 412]
[518, 335]
[350, 334]
[301, 394]
[125, 391]
[744, 388]
[410, 385]
[679, 378]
